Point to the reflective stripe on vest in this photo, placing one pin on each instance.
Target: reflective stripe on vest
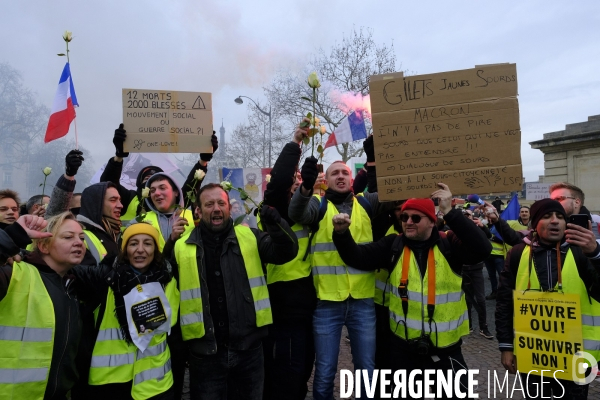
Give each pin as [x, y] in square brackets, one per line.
[26, 334]
[191, 314]
[130, 214]
[333, 279]
[571, 283]
[450, 317]
[152, 218]
[95, 246]
[297, 268]
[382, 278]
[116, 361]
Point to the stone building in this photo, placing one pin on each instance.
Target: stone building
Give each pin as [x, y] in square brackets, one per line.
[573, 155]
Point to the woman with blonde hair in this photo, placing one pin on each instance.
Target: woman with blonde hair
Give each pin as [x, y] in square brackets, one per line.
[39, 318]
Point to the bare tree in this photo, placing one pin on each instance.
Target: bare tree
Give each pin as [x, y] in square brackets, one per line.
[250, 142]
[346, 68]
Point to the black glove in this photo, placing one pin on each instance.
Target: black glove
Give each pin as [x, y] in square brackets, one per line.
[269, 215]
[309, 173]
[369, 148]
[73, 161]
[118, 139]
[215, 145]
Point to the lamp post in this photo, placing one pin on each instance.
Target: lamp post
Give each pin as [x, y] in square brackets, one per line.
[239, 100]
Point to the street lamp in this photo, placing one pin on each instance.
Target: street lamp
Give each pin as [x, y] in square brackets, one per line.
[239, 100]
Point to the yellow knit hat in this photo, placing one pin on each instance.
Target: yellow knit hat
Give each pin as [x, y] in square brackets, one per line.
[136, 229]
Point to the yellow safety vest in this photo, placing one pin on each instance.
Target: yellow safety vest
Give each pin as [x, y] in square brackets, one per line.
[382, 283]
[333, 279]
[450, 314]
[152, 218]
[95, 246]
[571, 283]
[26, 335]
[130, 214]
[116, 361]
[191, 314]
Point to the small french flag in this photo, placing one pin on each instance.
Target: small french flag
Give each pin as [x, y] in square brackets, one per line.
[63, 108]
[350, 129]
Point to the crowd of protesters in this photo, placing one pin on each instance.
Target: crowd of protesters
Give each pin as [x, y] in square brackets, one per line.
[114, 293]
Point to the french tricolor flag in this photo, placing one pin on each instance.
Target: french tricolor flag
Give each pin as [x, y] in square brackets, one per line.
[63, 108]
[350, 129]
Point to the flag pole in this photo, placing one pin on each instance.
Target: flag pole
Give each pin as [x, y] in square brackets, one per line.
[76, 139]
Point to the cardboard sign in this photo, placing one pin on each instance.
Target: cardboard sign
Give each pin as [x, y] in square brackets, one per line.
[537, 191]
[163, 121]
[548, 333]
[460, 128]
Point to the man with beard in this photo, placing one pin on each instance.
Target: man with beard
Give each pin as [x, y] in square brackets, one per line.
[345, 294]
[225, 303]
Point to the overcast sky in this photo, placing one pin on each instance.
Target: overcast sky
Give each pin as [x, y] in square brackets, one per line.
[231, 48]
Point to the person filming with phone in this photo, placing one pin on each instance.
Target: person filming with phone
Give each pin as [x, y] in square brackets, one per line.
[550, 258]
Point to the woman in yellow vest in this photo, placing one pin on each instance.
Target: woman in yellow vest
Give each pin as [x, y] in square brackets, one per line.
[39, 319]
[139, 303]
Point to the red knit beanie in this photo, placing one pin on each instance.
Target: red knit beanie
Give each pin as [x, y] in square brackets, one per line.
[426, 206]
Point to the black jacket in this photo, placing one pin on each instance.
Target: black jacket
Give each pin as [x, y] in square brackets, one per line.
[545, 263]
[67, 327]
[291, 301]
[274, 247]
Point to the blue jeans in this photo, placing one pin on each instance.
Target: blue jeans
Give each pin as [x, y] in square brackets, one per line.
[494, 264]
[227, 375]
[328, 320]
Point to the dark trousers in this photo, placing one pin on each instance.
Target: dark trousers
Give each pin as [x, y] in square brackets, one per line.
[494, 265]
[382, 338]
[474, 289]
[404, 359]
[289, 352]
[228, 375]
[179, 358]
[569, 390]
[122, 391]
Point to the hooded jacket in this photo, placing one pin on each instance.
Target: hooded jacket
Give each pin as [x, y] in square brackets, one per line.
[165, 220]
[90, 215]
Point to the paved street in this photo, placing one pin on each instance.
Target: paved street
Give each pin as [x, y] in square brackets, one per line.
[479, 353]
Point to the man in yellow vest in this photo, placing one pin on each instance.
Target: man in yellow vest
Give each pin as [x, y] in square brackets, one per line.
[345, 294]
[551, 244]
[425, 330]
[225, 303]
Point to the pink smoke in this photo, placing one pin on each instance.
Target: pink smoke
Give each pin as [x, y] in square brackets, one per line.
[348, 101]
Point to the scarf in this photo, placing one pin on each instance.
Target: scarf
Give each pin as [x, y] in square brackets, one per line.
[112, 226]
[337, 197]
[125, 279]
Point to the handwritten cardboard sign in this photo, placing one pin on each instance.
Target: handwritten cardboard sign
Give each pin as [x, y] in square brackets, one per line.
[460, 127]
[165, 121]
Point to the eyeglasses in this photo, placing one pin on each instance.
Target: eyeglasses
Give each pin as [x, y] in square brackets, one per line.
[561, 198]
[415, 218]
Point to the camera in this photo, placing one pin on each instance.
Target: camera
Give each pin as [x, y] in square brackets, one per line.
[422, 345]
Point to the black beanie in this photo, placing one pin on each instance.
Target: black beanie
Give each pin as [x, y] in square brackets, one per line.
[543, 207]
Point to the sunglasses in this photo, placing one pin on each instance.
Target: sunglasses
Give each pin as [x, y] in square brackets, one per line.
[415, 218]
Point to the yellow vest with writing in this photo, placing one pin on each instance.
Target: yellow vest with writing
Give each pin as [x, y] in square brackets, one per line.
[450, 314]
[333, 279]
[116, 361]
[572, 283]
[26, 335]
